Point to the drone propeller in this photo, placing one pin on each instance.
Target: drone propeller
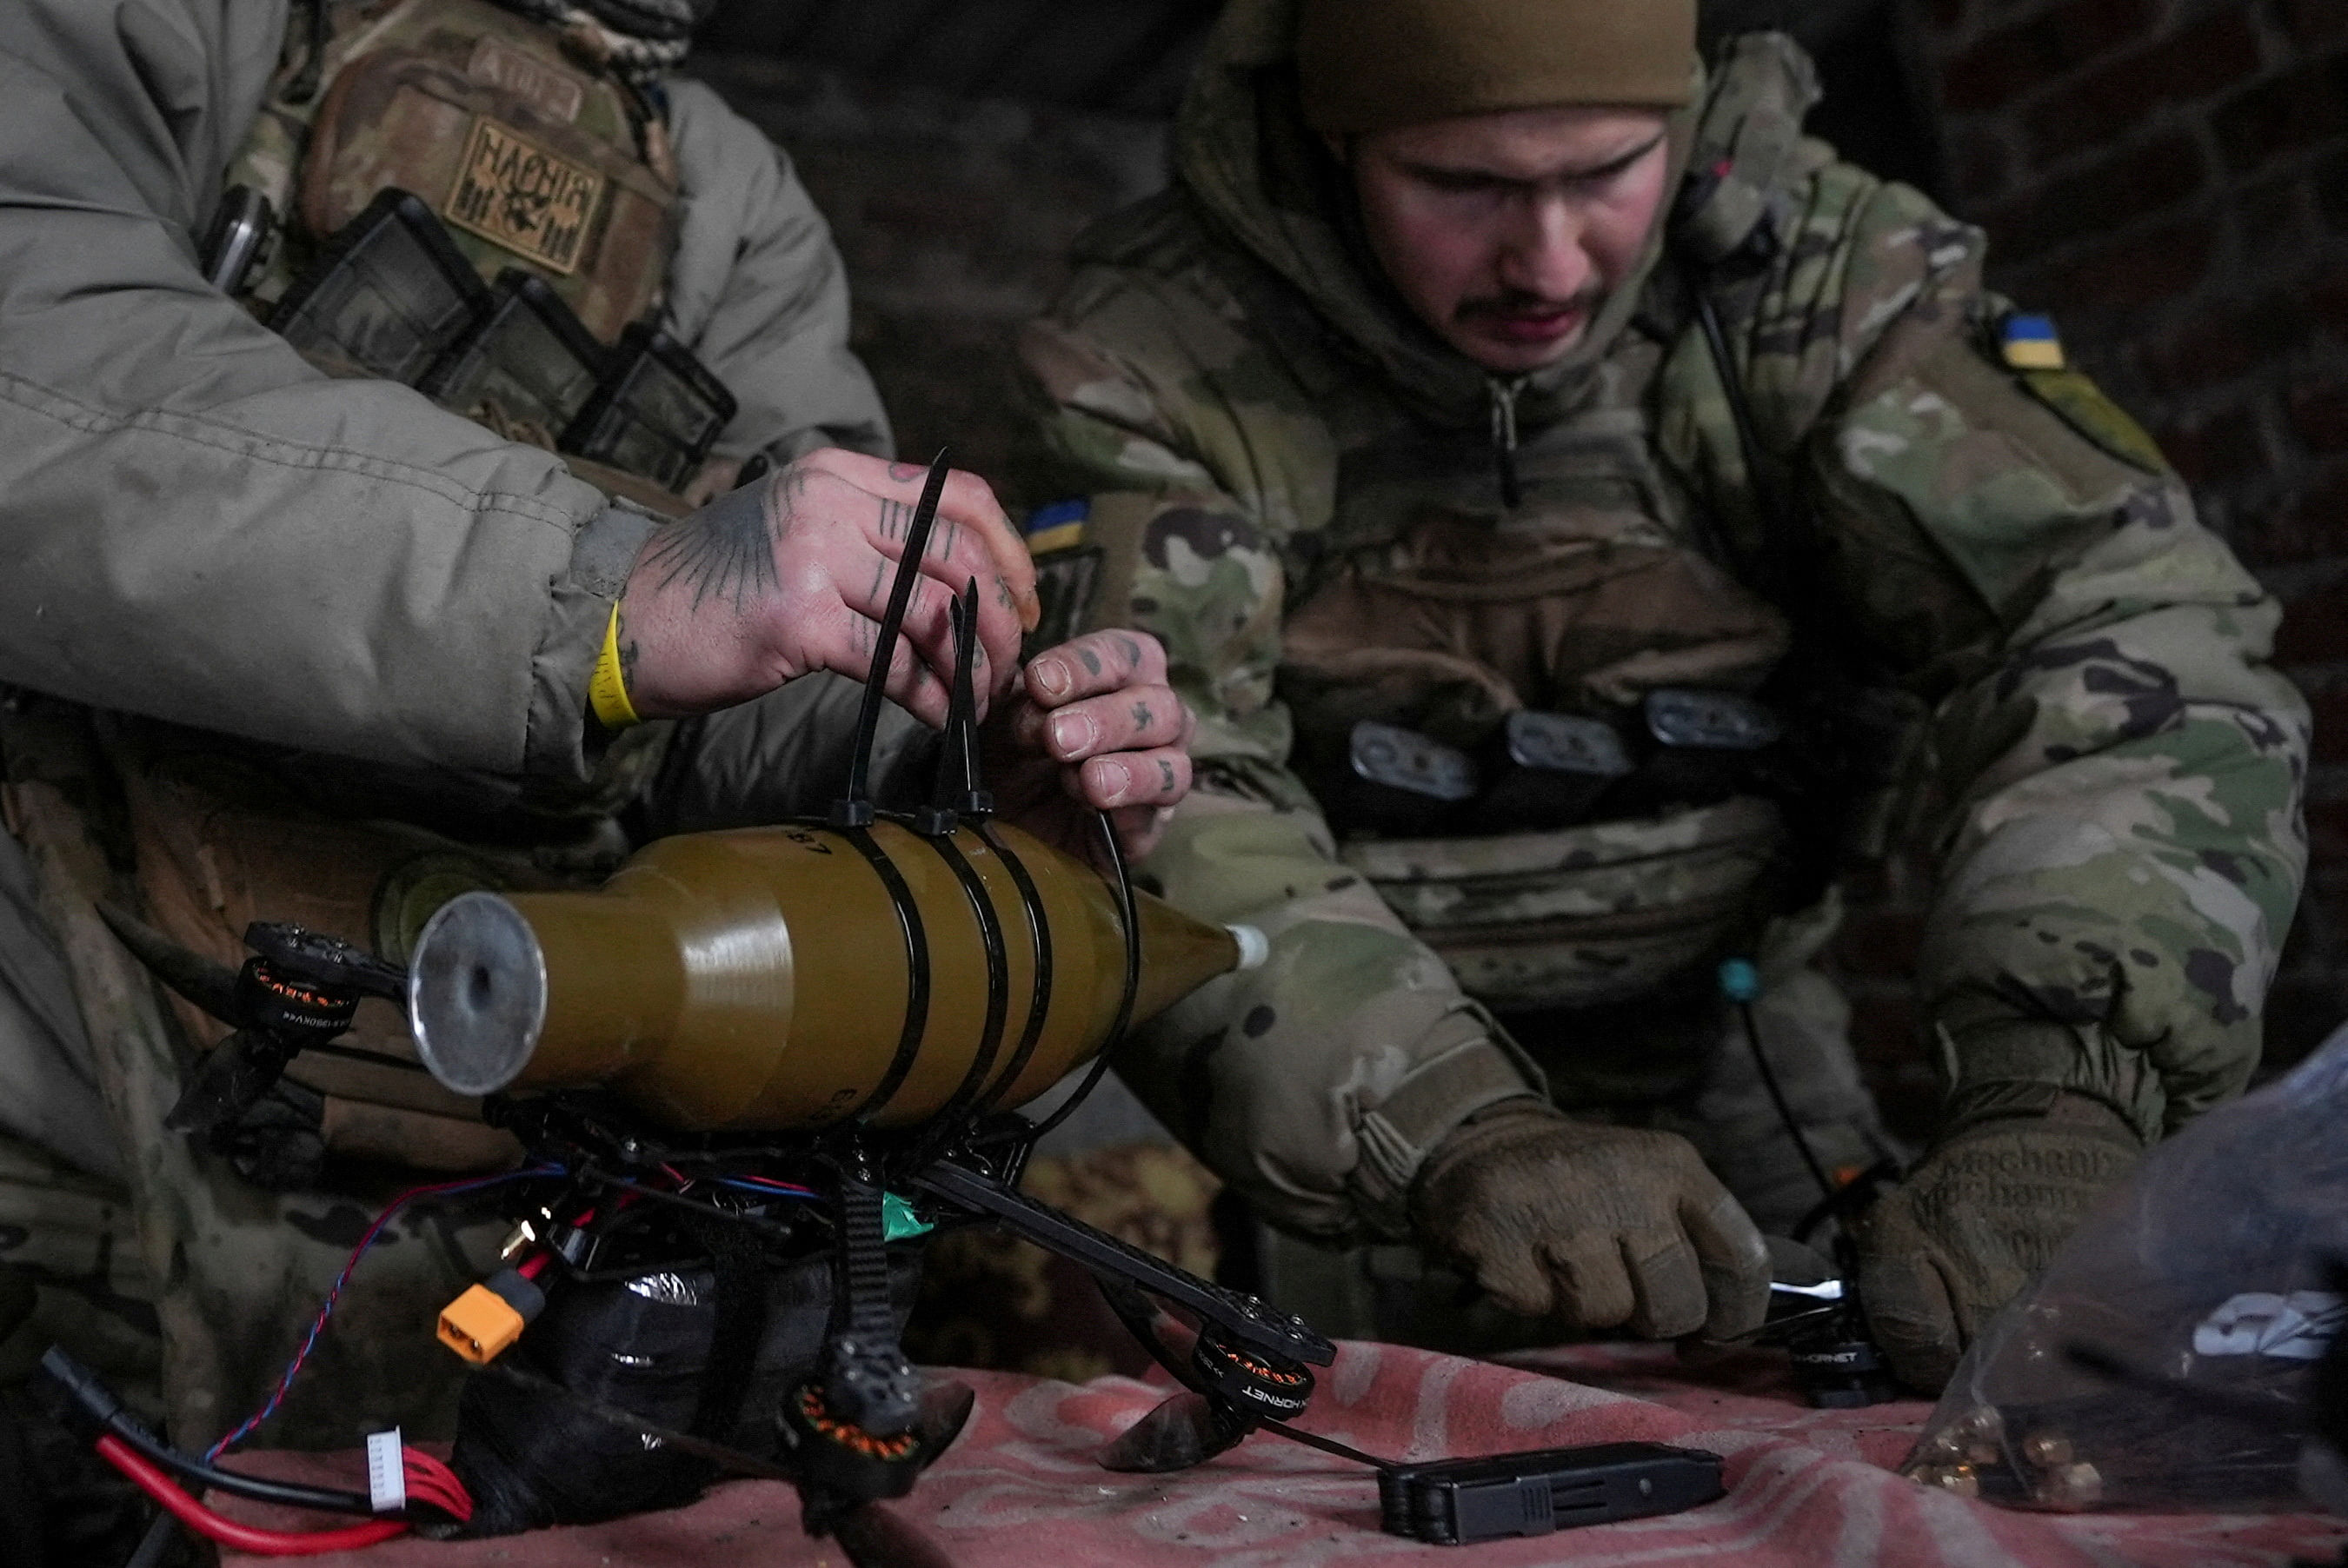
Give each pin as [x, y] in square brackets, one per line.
[1187, 1429]
[1227, 1390]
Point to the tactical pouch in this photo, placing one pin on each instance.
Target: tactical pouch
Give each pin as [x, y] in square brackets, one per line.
[1687, 747]
[527, 368]
[392, 298]
[387, 298]
[528, 159]
[1398, 781]
[1549, 770]
[656, 412]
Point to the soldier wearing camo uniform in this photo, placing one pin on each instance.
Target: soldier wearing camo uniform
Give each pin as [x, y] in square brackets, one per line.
[298, 626]
[1400, 406]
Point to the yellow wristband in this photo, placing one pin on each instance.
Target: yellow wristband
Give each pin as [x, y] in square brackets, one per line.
[607, 689]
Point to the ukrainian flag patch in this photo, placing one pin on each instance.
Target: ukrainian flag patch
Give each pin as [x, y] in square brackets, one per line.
[1057, 526]
[2029, 343]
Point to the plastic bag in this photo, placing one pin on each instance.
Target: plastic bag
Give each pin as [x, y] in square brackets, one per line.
[2209, 1288]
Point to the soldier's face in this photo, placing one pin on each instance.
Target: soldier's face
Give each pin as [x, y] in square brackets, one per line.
[1505, 231]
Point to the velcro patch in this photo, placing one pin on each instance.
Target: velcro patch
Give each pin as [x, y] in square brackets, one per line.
[514, 193]
[2082, 404]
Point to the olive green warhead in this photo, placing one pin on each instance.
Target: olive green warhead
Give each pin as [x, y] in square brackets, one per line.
[766, 978]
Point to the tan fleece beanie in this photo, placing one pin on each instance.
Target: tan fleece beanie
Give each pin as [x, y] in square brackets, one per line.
[1370, 65]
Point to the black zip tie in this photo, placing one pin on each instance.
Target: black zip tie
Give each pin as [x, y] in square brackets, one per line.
[855, 808]
[953, 1120]
[959, 788]
[917, 975]
[1132, 918]
[1039, 935]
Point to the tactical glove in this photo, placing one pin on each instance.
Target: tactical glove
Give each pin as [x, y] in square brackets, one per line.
[1603, 1225]
[1978, 1216]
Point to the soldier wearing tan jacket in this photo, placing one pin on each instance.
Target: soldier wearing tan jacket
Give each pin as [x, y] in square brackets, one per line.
[301, 607]
[1402, 408]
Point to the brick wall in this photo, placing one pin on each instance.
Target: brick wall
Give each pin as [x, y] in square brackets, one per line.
[2169, 178]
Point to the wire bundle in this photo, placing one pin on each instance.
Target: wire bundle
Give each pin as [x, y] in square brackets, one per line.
[251, 1423]
[166, 1473]
[429, 1481]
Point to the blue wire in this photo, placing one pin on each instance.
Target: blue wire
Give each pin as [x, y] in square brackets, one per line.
[326, 1309]
[768, 1190]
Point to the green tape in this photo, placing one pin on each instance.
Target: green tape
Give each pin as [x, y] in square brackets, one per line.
[898, 1221]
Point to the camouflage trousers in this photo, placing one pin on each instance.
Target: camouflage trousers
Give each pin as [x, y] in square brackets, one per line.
[1396, 1293]
[71, 1272]
[187, 1287]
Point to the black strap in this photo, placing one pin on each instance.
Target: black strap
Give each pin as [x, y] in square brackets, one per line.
[741, 1289]
[951, 1119]
[1039, 935]
[917, 970]
[867, 1381]
[1132, 918]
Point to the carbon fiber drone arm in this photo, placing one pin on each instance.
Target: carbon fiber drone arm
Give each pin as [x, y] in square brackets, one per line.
[1243, 1317]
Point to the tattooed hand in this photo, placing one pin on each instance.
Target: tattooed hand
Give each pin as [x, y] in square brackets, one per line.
[1092, 723]
[791, 574]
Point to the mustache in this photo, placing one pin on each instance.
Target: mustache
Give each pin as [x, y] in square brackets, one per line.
[1524, 303]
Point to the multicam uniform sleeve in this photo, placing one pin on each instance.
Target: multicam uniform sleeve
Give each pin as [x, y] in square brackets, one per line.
[2123, 845]
[1315, 1083]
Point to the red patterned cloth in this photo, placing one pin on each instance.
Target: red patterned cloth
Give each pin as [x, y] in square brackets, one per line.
[1808, 1488]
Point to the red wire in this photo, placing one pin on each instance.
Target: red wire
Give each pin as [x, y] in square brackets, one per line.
[326, 1308]
[230, 1532]
[452, 1499]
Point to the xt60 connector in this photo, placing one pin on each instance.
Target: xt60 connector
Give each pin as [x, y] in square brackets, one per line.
[490, 1317]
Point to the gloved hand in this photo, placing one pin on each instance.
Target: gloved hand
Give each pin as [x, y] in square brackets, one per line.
[1940, 1253]
[1606, 1226]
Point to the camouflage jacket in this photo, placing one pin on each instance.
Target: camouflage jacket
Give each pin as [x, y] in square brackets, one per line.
[2121, 847]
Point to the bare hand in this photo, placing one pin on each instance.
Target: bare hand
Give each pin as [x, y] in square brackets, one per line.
[1092, 723]
[791, 574]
